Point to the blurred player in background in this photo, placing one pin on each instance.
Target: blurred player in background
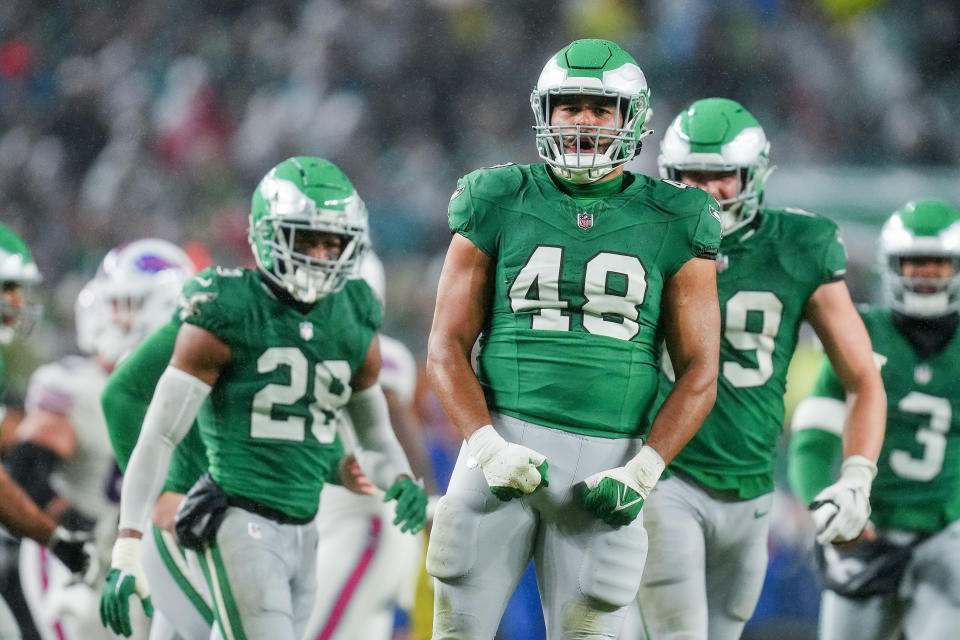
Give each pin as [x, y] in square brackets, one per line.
[901, 577]
[709, 516]
[574, 271]
[366, 566]
[63, 458]
[280, 351]
[18, 512]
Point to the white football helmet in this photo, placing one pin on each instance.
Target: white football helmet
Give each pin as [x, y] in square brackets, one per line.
[719, 135]
[306, 195]
[133, 294]
[921, 228]
[596, 68]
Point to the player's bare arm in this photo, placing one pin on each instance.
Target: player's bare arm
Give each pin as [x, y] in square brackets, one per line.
[462, 300]
[692, 334]
[200, 353]
[369, 372]
[833, 316]
[840, 511]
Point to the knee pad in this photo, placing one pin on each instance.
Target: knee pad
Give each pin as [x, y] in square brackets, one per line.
[452, 551]
[613, 565]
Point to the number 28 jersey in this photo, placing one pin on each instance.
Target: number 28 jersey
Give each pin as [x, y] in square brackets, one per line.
[572, 337]
[270, 421]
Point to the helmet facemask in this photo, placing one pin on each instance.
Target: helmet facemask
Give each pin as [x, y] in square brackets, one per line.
[599, 69]
[921, 230]
[319, 198]
[719, 136]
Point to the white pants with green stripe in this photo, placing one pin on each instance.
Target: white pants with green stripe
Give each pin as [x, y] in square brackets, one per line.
[180, 598]
[262, 577]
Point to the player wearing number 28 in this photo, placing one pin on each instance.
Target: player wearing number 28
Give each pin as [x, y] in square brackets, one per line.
[708, 518]
[269, 359]
[901, 579]
[572, 273]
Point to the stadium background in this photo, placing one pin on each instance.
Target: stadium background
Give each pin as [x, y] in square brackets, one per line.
[121, 120]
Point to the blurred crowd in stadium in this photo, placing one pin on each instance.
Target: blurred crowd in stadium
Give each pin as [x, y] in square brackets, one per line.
[121, 120]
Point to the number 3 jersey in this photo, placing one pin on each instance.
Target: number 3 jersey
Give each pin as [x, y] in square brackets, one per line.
[270, 421]
[766, 271]
[918, 472]
[571, 339]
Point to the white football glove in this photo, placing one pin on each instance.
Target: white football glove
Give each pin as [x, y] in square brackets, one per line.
[511, 470]
[617, 495]
[841, 511]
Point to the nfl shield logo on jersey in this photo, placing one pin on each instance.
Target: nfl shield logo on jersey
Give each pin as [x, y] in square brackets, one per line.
[923, 374]
[584, 220]
[722, 262]
[306, 330]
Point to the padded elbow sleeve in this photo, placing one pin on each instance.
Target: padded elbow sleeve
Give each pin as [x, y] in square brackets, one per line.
[31, 465]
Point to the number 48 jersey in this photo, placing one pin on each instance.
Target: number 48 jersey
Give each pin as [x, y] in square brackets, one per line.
[766, 271]
[572, 338]
[270, 421]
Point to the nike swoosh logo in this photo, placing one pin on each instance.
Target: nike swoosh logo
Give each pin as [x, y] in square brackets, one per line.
[204, 282]
[621, 505]
[759, 514]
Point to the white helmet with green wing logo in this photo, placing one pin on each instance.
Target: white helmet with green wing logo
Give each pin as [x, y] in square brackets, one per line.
[719, 135]
[921, 229]
[304, 194]
[595, 68]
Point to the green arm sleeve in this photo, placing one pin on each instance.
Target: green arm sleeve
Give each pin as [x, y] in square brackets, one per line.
[812, 457]
[130, 388]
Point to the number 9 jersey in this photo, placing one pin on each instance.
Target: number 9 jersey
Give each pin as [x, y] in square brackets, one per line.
[270, 421]
[575, 313]
[766, 271]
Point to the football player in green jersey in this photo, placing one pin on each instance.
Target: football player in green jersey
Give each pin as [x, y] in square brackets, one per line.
[574, 272]
[901, 578]
[268, 359]
[708, 518]
[18, 513]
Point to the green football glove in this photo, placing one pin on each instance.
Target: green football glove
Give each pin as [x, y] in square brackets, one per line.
[411, 504]
[617, 495]
[511, 470]
[124, 579]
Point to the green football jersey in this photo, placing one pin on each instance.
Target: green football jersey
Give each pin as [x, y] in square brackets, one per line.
[572, 338]
[918, 473]
[766, 271]
[270, 421]
[125, 400]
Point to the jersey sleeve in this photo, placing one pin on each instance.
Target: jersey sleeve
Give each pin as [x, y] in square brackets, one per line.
[130, 388]
[204, 303]
[473, 216]
[816, 448]
[834, 258]
[708, 233]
